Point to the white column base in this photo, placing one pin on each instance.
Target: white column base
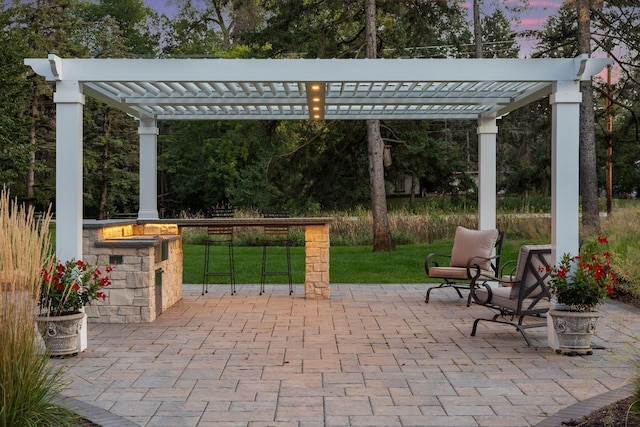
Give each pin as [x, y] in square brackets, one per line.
[82, 334]
[148, 214]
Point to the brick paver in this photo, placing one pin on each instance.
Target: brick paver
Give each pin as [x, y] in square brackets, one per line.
[371, 355]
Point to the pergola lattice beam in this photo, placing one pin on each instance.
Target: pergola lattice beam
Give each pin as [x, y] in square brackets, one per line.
[263, 89]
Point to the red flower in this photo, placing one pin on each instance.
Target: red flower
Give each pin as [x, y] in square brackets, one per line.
[562, 272]
[70, 285]
[582, 282]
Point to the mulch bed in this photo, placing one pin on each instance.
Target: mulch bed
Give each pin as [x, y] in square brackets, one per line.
[618, 414]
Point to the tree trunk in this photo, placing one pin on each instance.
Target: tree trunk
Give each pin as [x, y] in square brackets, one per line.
[414, 188]
[31, 174]
[382, 240]
[477, 28]
[104, 185]
[588, 167]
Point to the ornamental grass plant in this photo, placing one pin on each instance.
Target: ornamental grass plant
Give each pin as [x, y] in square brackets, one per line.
[27, 383]
[622, 228]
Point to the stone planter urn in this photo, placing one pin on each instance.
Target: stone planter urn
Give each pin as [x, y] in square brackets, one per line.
[574, 330]
[60, 333]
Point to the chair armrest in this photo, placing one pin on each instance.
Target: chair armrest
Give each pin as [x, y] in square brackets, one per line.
[473, 262]
[509, 266]
[432, 260]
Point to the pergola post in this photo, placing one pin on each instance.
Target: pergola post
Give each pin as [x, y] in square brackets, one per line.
[69, 102]
[565, 143]
[487, 130]
[148, 131]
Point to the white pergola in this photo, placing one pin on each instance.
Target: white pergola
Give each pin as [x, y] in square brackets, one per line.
[330, 89]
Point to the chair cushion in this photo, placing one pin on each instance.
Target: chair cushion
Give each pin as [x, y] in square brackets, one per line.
[501, 296]
[528, 277]
[469, 243]
[455, 273]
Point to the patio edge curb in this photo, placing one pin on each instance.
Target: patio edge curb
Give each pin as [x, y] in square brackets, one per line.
[580, 409]
[95, 414]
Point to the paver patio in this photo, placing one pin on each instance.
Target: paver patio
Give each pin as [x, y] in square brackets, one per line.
[372, 355]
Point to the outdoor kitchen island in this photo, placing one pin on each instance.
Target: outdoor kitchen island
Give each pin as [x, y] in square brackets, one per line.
[147, 258]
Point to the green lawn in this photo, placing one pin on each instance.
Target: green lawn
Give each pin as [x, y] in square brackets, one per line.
[348, 264]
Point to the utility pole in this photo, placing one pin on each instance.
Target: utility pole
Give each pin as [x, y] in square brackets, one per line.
[609, 181]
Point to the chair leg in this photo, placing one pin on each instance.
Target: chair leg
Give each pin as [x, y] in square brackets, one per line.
[519, 327]
[426, 298]
[232, 271]
[288, 272]
[205, 277]
[475, 326]
[289, 275]
[442, 285]
[207, 273]
[264, 268]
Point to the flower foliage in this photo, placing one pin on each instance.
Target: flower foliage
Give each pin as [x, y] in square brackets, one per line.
[584, 281]
[69, 286]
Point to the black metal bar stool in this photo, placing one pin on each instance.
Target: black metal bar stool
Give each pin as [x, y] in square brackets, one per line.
[276, 235]
[219, 235]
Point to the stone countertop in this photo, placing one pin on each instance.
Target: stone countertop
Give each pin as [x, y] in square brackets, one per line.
[203, 222]
[135, 241]
[243, 222]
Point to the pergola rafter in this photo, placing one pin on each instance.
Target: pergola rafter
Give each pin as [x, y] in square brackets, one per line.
[256, 89]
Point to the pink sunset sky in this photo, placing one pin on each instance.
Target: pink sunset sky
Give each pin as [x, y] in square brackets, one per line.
[534, 17]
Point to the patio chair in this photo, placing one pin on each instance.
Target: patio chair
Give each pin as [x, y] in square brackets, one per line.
[471, 249]
[276, 235]
[219, 235]
[523, 293]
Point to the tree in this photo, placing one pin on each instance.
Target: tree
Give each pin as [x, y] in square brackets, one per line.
[565, 36]
[615, 31]
[568, 34]
[382, 240]
[335, 29]
[133, 21]
[111, 142]
[209, 27]
[477, 29]
[588, 167]
[44, 27]
[498, 36]
[14, 94]
[434, 160]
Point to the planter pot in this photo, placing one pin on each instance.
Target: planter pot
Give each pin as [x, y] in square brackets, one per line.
[60, 333]
[574, 330]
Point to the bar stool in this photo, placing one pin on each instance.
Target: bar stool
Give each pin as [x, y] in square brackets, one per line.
[276, 235]
[219, 235]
